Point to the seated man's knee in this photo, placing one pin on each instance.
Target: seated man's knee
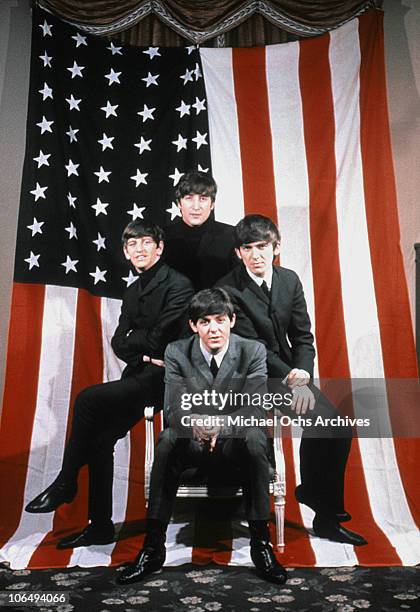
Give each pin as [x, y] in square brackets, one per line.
[85, 400]
[167, 438]
[255, 440]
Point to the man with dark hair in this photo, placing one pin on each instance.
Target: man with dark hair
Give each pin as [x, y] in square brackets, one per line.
[151, 312]
[270, 307]
[213, 360]
[198, 246]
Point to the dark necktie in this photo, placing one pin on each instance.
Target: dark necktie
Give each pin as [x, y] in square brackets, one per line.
[266, 290]
[214, 367]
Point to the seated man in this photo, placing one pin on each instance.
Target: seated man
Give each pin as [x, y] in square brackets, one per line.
[197, 245]
[151, 313]
[270, 307]
[211, 360]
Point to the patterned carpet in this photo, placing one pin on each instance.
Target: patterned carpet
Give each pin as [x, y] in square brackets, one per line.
[212, 588]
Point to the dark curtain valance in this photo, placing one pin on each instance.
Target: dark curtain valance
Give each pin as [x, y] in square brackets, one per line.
[209, 22]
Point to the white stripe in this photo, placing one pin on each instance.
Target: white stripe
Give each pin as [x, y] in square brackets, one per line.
[50, 422]
[241, 550]
[110, 312]
[91, 556]
[290, 167]
[224, 134]
[176, 552]
[386, 492]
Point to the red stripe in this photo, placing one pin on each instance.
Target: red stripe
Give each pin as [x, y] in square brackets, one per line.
[397, 339]
[87, 370]
[19, 400]
[132, 535]
[254, 131]
[298, 550]
[319, 130]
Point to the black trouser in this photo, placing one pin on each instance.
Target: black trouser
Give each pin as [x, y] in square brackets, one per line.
[323, 455]
[102, 414]
[174, 454]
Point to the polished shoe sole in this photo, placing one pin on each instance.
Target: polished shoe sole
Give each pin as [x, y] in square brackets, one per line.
[39, 510]
[336, 538]
[63, 545]
[130, 580]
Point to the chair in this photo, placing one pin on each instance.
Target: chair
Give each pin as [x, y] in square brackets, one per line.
[194, 488]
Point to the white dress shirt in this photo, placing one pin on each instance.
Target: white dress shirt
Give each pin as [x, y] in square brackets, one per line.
[217, 356]
[268, 277]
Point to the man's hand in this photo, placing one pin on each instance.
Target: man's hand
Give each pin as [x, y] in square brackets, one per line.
[297, 378]
[156, 362]
[206, 436]
[303, 400]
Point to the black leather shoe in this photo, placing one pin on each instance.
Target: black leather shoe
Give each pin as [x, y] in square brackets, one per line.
[148, 560]
[268, 568]
[316, 506]
[333, 531]
[92, 534]
[53, 496]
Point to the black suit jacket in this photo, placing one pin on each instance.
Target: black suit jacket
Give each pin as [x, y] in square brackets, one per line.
[151, 318]
[214, 258]
[243, 370]
[282, 323]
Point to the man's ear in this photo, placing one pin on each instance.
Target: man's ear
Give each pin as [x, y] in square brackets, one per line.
[193, 326]
[238, 253]
[233, 320]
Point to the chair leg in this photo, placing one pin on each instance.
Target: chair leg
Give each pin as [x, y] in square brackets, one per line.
[149, 456]
[279, 504]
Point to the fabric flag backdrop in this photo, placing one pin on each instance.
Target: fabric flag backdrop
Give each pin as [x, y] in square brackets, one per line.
[298, 132]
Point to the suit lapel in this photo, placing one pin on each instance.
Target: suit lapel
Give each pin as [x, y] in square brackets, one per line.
[275, 288]
[200, 364]
[247, 284]
[228, 365]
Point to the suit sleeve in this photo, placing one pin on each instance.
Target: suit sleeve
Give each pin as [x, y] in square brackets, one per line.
[299, 332]
[128, 343]
[121, 342]
[175, 387]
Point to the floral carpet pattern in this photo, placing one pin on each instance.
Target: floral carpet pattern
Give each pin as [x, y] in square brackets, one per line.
[212, 588]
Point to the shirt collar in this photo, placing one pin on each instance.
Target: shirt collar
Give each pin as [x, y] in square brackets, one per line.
[268, 278]
[218, 356]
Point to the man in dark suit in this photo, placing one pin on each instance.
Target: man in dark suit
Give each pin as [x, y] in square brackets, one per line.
[211, 361]
[198, 246]
[151, 314]
[270, 307]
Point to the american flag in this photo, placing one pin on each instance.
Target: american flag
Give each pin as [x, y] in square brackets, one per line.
[111, 130]
[298, 132]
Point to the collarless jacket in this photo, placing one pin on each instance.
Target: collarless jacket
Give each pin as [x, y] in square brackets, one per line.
[214, 258]
[151, 318]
